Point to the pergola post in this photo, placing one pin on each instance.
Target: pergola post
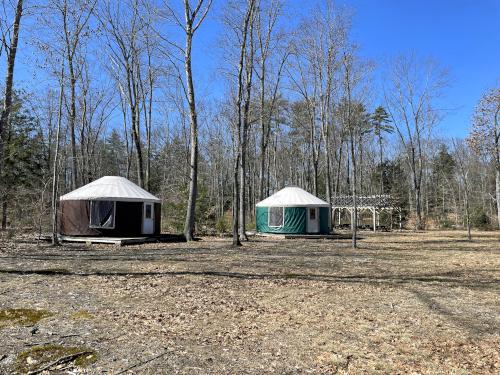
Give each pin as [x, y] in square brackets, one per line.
[374, 213]
[339, 217]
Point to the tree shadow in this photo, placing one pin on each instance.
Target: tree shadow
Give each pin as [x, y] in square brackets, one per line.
[476, 325]
[449, 279]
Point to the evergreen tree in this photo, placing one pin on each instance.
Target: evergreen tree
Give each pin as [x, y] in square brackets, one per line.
[381, 124]
[25, 162]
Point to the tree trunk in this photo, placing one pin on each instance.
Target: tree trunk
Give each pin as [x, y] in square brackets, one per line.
[55, 239]
[149, 129]
[244, 133]
[354, 221]
[264, 132]
[135, 122]
[235, 224]
[497, 191]
[328, 171]
[262, 172]
[315, 176]
[241, 130]
[381, 163]
[242, 186]
[7, 103]
[339, 164]
[72, 122]
[467, 212]
[193, 159]
[4, 213]
[418, 209]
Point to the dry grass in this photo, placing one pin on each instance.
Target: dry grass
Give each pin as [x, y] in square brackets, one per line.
[403, 303]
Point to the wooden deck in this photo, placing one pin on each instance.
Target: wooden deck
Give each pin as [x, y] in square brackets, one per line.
[333, 236]
[120, 241]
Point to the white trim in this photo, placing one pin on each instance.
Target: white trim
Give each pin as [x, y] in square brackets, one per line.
[283, 218]
[98, 226]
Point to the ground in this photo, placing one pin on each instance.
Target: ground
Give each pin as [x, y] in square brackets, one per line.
[425, 303]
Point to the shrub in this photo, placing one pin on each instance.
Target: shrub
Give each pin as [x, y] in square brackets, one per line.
[479, 219]
[222, 225]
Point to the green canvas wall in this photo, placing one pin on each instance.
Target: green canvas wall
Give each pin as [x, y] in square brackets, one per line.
[324, 212]
[295, 221]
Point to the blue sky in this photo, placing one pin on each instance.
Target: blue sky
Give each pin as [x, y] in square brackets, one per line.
[462, 35]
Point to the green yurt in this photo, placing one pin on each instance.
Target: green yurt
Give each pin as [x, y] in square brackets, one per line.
[293, 210]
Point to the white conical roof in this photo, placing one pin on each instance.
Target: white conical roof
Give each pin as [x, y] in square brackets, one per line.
[292, 197]
[111, 188]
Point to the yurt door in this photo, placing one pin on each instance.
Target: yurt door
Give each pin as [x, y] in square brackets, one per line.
[148, 223]
[312, 220]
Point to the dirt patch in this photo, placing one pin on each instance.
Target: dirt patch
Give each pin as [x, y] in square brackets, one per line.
[402, 303]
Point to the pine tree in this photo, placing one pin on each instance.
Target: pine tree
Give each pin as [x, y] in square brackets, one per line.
[381, 124]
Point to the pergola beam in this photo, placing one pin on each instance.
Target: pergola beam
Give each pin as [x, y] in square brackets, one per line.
[375, 204]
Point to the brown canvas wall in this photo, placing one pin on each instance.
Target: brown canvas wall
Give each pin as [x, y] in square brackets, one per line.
[75, 216]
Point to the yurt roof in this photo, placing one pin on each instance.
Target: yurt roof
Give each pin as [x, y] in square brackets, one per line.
[111, 188]
[292, 197]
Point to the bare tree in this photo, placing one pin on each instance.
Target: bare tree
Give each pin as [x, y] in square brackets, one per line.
[193, 18]
[123, 23]
[314, 75]
[243, 29]
[244, 122]
[462, 157]
[75, 16]
[95, 108]
[411, 102]
[327, 36]
[350, 123]
[485, 135]
[268, 41]
[55, 167]
[303, 81]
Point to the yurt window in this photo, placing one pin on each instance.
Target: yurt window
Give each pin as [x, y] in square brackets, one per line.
[276, 216]
[102, 214]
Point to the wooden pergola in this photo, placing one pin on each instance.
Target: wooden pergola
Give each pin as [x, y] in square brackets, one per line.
[376, 204]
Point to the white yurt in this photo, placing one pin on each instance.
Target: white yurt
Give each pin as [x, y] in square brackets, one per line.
[293, 210]
[111, 206]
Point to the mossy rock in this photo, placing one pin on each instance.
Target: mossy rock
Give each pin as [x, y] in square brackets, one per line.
[22, 317]
[39, 356]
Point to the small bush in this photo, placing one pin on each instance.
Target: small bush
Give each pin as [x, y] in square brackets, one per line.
[252, 224]
[222, 226]
[479, 219]
[446, 223]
